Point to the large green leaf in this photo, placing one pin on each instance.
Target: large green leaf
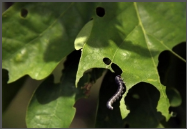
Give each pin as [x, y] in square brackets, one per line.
[36, 36]
[132, 35]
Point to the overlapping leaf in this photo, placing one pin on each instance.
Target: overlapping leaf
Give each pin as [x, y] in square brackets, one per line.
[52, 104]
[132, 35]
[36, 36]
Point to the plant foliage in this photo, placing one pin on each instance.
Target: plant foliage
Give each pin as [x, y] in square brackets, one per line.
[130, 35]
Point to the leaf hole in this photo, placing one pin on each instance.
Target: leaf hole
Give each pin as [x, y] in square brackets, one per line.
[180, 49]
[146, 93]
[107, 61]
[116, 69]
[24, 13]
[100, 11]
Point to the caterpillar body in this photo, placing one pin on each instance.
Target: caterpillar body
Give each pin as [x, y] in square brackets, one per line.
[119, 92]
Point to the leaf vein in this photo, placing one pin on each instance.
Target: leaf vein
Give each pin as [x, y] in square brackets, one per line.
[161, 42]
[140, 22]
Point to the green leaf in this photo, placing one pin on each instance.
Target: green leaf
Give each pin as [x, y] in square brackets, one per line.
[132, 35]
[172, 73]
[83, 35]
[36, 36]
[52, 104]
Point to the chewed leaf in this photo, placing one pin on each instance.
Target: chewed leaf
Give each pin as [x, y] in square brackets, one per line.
[36, 36]
[143, 113]
[132, 35]
[52, 104]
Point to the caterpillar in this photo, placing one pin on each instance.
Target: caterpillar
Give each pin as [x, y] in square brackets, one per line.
[119, 92]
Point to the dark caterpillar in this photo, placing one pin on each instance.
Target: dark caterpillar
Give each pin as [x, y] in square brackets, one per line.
[119, 92]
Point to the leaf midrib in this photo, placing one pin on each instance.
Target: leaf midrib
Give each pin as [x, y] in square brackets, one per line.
[146, 40]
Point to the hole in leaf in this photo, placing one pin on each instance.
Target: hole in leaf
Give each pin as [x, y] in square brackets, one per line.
[171, 69]
[148, 96]
[180, 49]
[24, 13]
[116, 69]
[100, 11]
[135, 96]
[107, 61]
[164, 60]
